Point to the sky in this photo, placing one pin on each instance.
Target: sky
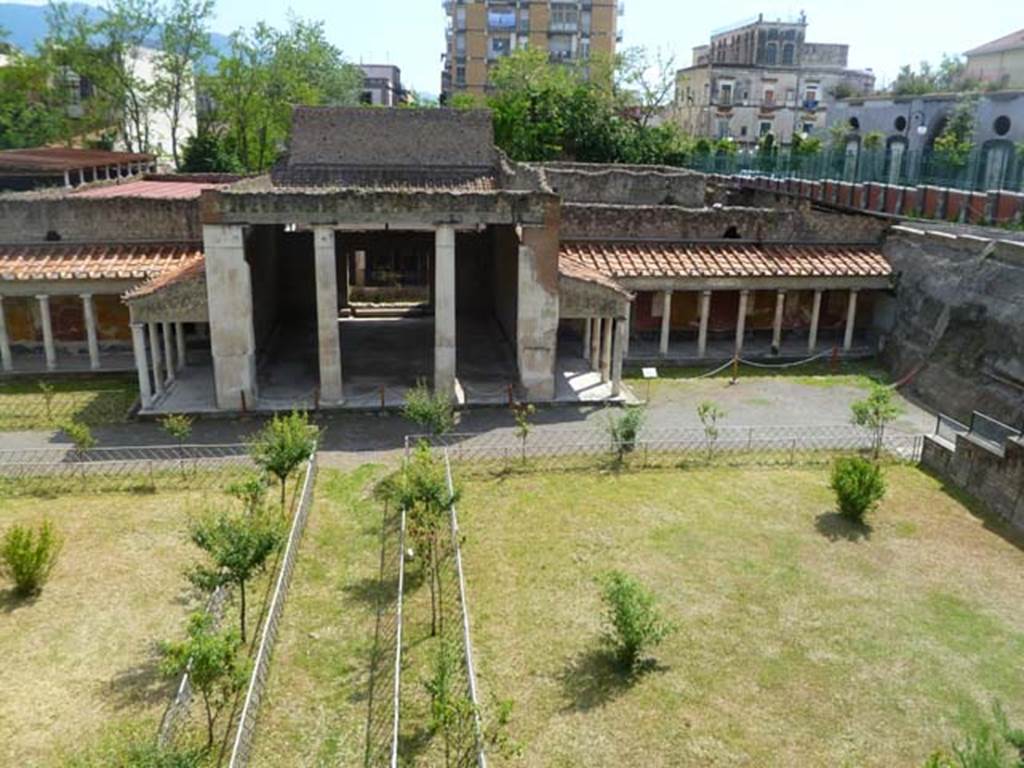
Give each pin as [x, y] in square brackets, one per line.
[882, 34]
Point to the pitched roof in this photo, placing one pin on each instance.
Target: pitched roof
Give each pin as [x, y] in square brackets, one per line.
[147, 189]
[76, 261]
[1010, 42]
[617, 259]
[191, 268]
[577, 270]
[60, 159]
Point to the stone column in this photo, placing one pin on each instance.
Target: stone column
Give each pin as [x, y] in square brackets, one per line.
[229, 295]
[780, 306]
[169, 350]
[595, 343]
[48, 348]
[328, 340]
[89, 312]
[851, 317]
[621, 342]
[5, 343]
[586, 338]
[139, 347]
[741, 321]
[705, 314]
[179, 335]
[154, 351]
[444, 310]
[606, 349]
[812, 341]
[537, 307]
[629, 325]
[666, 321]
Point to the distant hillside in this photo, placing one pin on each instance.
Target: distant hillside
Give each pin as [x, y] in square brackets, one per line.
[26, 24]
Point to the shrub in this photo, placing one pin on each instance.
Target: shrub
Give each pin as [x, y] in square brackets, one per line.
[624, 429]
[858, 484]
[28, 557]
[80, 435]
[874, 413]
[635, 625]
[709, 412]
[522, 412]
[282, 445]
[433, 413]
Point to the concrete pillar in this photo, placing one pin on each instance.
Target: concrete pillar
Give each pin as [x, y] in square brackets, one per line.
[360, 276]
[780, 306]
[89, 312]
[705, 315]
[606, 348]
[629, 325]
[741, 321]
[67, 179]
[444, 310]
[537, 308]
[851, 317]
[812, 341]
[586, 338]
[157, 359]
[328, 340]
[229, 296]
[139, 348]
[621, 345]
[5, 343]
[595, 343]
[179, 335]
[48, 348]
[169, 350]
[666, 321]
[81, 176]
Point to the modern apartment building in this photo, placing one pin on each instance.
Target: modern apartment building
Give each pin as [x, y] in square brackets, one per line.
[759, 77]
[480, 32]
[382, 85]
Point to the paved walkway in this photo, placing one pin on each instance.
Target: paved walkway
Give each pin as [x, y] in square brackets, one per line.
[352, 439]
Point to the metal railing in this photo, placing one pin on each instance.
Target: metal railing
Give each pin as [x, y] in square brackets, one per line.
[991, 430]
[242, 743]
[947, 428]
[501, 452]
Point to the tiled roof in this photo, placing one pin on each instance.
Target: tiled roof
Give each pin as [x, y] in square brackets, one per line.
[192, 267]
[151, 190]
[618, 259]
[577, 270]
[61, 159]
[1010, 42]
[70, 261]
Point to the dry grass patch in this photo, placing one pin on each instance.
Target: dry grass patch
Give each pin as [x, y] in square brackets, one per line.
[801, 640]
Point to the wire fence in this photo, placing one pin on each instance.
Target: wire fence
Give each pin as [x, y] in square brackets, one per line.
[245, 731]
[505, 452]
[56, 471]
[26, 410]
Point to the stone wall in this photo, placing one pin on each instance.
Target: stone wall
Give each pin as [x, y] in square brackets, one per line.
[624, 184]
[996, 478]
[35, 217]
[960, 319]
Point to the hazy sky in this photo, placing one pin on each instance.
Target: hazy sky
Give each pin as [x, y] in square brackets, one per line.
[882, 34]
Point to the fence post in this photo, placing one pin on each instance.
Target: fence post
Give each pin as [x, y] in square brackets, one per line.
[792, 452]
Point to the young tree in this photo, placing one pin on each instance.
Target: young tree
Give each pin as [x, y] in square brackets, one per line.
[281, 447]
[28, 557]
[80, 435]
[184, 41]
[634, 622]
[624, 429]
[953, 146]
[431, 412]
[178, 426]
[858, 484]
[874, 413]
[522, 412]
[238, 545]
[215, 667]
[710, 413]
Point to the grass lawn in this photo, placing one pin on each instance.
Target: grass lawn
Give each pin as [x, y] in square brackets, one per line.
[800, 641]
[80, 658]
[315, 708]
[820, 373]
[94, 401]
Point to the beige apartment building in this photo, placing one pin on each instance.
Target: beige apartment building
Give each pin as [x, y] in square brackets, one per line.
[759, 77]
[480, 32]
[999, 63]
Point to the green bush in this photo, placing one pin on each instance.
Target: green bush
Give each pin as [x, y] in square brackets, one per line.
[28, 557]
[624, 429]
[635, 625]
[282, 445]
[858, 484]
[433, 413]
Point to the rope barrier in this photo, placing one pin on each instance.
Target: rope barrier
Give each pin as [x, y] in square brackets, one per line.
[811, 359]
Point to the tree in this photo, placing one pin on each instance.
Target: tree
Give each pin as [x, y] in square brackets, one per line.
[709, 413]
[652, 81]
[432, 412]
[28, 557]
[282, 445]
[949, 76]
[184, 41]
[858, 484]
[178, 426]
[522, 412]
[214, 666]
[31, 109]
[624, 429]
[634, 622]
[954, 144]
[238, 545]
[207, 152]
[874, 412]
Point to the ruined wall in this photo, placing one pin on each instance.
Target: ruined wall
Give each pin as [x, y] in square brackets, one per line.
[39, 216]
[960, 313]
[624, 184]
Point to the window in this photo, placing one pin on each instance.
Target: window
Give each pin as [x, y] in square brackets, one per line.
[764, 128]
[585, 22]
[771, 53]
[722, 126]
[1001, 126]
[743, 130]
[900, 124]
[854, 124]
[787, 54]
[808, 128]
[585, 48]
[524, 20]
[769, 96]
[725, 93]
[460, 75]
[564, 19]
[811, 96]
[499, 46]
[503, 18]
[460, 17]
[460, 43]
[560, 47]
[790, 96]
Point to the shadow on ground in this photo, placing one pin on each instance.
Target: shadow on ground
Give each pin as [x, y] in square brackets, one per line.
[835, 527]
[595, 677]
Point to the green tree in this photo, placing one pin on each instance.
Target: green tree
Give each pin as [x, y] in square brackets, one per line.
[710, 413]
[634, 623]
[947, 77]
[858, 484]
[281, 447]
[624, 429]
[27, 557]
[178, 426]
[431, 412]
[184, 41]
[207, 152]
[874, 413]
[31, 108]
[214, 666]
[954, 144]
[238, 545]
[522, 413]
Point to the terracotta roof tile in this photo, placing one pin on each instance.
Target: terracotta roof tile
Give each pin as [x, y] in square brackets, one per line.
[577, 270]
[617, 259]
[71, 261]
[152, 190]
[192, 267]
